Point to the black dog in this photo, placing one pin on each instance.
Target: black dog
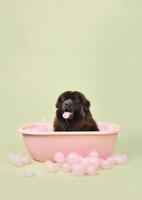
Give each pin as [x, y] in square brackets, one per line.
[73, 113]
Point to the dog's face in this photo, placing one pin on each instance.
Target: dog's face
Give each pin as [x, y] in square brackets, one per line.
[74, 103]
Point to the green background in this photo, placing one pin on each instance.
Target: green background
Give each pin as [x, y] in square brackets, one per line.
[49, 46]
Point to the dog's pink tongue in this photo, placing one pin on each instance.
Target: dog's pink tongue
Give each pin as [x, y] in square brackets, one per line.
[66, 115]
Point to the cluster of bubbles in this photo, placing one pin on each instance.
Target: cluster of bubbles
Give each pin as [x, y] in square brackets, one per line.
[80, 166]
[20, 160]
[72, 163]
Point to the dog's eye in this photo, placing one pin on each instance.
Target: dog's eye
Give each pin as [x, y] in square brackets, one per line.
[77, 104]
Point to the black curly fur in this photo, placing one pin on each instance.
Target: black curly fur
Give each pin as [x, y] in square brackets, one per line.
[81, 120]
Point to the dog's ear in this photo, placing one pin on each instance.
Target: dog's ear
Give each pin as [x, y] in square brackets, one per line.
[58, 103]
[82, 111]
[86, 105]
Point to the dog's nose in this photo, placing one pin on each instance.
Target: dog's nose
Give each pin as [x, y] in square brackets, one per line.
[67, 103]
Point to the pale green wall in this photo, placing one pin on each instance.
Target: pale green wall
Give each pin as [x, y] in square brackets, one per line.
[51, 46]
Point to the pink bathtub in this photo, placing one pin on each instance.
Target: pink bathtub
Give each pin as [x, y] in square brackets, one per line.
[42, 142]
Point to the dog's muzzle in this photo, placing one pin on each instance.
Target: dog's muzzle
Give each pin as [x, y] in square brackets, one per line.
[67, 105]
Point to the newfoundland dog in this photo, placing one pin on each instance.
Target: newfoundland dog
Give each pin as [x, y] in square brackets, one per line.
[73, 113]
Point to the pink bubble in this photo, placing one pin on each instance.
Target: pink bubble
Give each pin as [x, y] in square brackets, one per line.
[60, 165]
[80, 159]
[66, 167]
[59, 157]
[51, 167]
[25, 160]
[86, 162]
[18, 159]
[91, 170]
[39, 128]
[111, 160]
[18, 155]
[78, 170]
[72, 158]
[94, 154]
[29, 172]
[125, 159]
[105, 164]
[95, 162]
[120, 159]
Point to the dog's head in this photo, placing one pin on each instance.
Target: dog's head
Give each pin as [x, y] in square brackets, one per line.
[74, 103]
